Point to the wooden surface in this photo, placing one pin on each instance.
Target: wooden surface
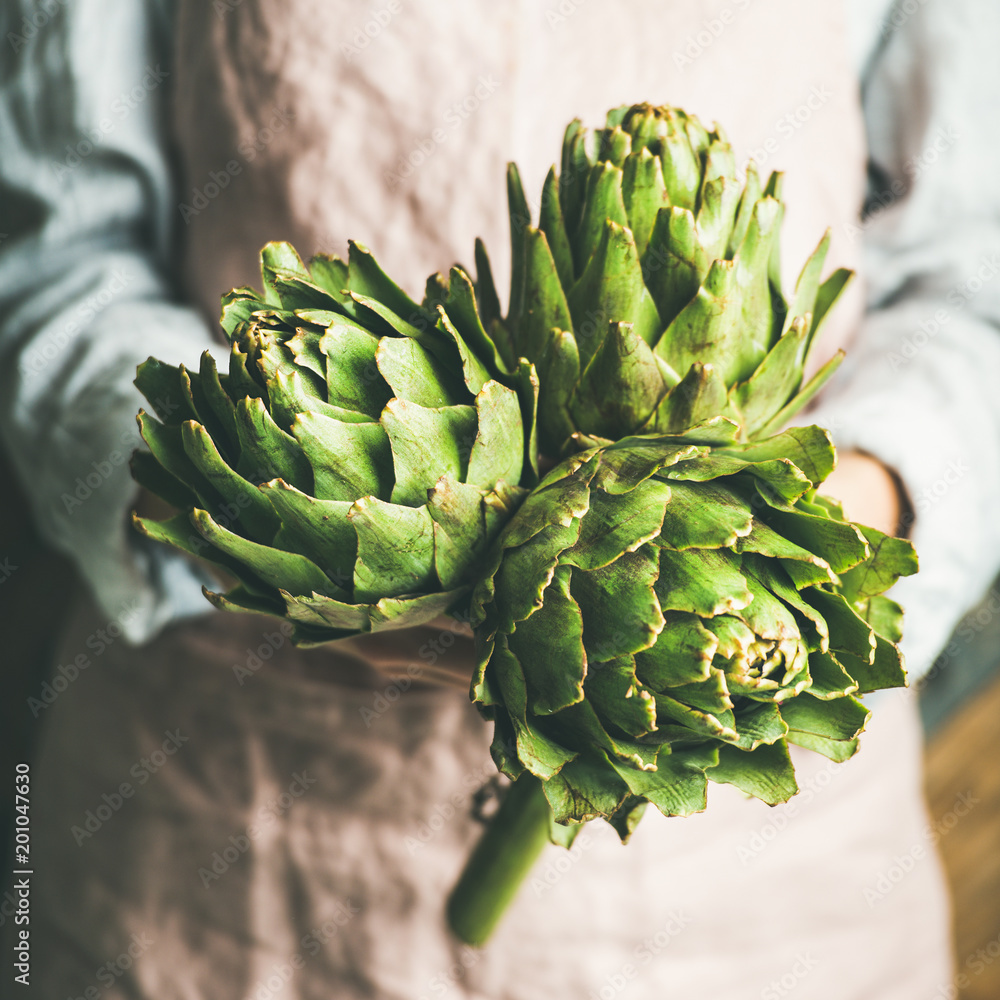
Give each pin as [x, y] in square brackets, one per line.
[963, 757]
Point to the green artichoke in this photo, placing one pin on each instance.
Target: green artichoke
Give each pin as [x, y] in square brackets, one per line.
[668, 610]
[649, 297]
[353, 465]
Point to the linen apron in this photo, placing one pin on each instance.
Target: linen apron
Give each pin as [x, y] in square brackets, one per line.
[293, 821]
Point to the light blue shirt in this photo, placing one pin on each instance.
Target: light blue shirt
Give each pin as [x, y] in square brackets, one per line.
[87, 215]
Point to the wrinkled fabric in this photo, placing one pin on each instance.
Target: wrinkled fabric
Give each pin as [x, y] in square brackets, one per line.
[297, 839]
[294, 835]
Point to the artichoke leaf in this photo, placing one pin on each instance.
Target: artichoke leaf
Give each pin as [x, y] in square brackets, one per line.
[405, 612]
[611, 288]
[427, 444]
[527, 570]
[889, 559]
[621, 386]
[644, 194]
[707, 582]
[766, 772]
[682, 654]
[353, 377]
[165, 391]
[701, 394]
[368, 280]
[618, 523]
[266, 451]
[497, 452]
[542, 756]
[395, 549]
[829, 678]
[886, 669]
[551, 223]
[810, 449]
[584, 789]
[459, 529]
[707, 516]
[252, 512]
[349, 460]
[325, 612]
[619, 697]
[678, 785]
[316, 528]
[674, 265]
[545, 306]
[621, 612]
[839, 719]
[288, 571]
[416, 375]
[460, 305]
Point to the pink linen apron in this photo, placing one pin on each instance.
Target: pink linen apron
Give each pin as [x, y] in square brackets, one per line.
[300, 837]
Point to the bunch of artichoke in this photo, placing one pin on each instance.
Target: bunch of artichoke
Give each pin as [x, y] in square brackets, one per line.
[599, 479]
[353, 465]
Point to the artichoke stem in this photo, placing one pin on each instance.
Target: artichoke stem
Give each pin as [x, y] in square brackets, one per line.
[506, 852]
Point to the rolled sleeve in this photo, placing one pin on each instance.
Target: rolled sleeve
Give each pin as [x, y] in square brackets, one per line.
[85, 285]
[921, 387]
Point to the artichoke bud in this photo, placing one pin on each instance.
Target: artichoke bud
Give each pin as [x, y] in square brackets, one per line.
[646, 218]
[664, 611]
[354, 464]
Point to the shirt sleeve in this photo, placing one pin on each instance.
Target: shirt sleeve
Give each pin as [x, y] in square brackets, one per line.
[920, 389]
[85, 284]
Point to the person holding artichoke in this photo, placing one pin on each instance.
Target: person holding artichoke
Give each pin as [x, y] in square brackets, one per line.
[597, 480]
